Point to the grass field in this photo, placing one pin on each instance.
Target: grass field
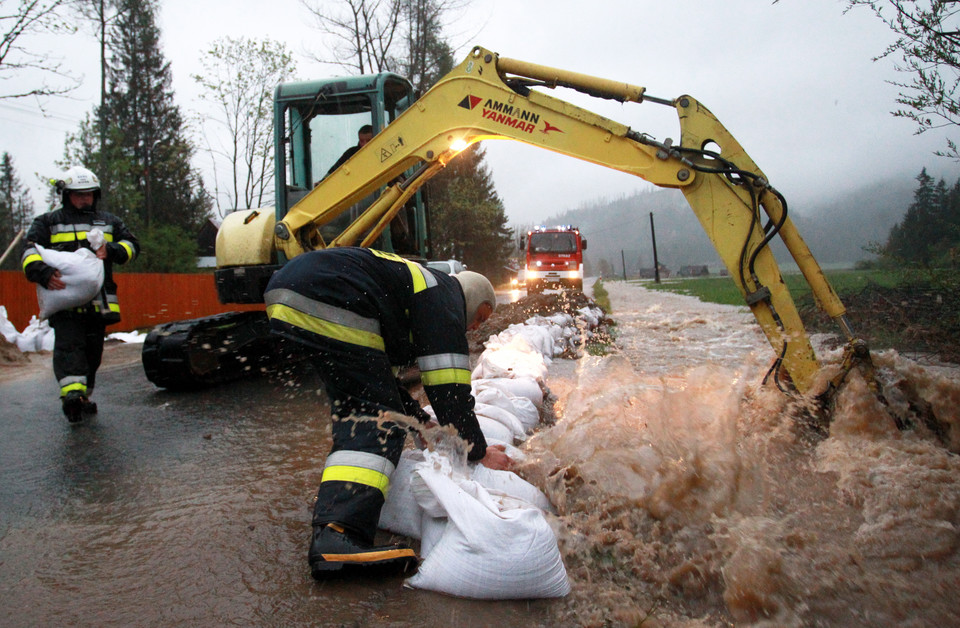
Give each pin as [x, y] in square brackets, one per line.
[723, 290]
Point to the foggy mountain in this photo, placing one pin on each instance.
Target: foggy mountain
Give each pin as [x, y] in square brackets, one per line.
[836, 229]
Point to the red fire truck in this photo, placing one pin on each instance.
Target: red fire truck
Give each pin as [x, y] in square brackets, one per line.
[554, 258]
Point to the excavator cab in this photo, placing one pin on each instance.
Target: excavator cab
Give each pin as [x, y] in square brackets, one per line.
[316, 123]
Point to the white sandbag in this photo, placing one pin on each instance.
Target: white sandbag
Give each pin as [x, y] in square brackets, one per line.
[526, 387]
[590, 315]
[401, 514]
[510, 362]
[510, 484]
[47, 337]
[129, 337]
[538, 337]
[7, 329]
[503, 417]
[512, 452]
[80, 270]
[494, 429]
[36, 336]
[560, 319]
[482, 550]
[520, 407]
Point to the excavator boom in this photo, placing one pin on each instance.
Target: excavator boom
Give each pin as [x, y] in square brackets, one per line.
[488, 97]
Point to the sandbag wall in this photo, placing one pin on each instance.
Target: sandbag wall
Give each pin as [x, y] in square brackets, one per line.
[484, 533]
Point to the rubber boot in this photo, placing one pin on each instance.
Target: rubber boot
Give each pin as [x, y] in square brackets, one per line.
[73, 406]
[337, 552]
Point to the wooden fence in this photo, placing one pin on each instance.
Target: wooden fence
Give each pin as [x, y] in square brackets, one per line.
[146, 299]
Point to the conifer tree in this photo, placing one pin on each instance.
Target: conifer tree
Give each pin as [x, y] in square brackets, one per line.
[929, 233]
[148, 129]
[16, 208]
[467, 216]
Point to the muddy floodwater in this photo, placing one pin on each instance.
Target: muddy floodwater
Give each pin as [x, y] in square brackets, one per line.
[686, 496]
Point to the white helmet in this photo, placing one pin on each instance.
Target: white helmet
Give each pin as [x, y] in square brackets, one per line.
[478, 290]
[79, 179]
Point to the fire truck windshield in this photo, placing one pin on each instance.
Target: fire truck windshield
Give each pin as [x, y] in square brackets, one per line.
[553, 243]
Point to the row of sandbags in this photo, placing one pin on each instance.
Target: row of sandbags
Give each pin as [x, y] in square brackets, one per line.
[484, 533]
[37, 336]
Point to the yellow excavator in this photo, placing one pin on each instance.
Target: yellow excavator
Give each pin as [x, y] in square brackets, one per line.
[372, 199]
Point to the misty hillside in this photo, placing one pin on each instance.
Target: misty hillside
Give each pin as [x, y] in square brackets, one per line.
[836, 230]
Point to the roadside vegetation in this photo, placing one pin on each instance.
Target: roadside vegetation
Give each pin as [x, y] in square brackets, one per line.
[604, 337]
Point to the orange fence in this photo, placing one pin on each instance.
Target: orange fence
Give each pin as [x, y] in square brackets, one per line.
[146, 299]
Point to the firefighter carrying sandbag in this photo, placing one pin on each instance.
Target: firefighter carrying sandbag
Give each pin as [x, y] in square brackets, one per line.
[78, 347]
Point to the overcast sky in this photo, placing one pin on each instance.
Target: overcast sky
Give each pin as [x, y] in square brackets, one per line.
[794, 82]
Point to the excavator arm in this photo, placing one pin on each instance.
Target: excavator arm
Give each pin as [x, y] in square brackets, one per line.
[491, 97]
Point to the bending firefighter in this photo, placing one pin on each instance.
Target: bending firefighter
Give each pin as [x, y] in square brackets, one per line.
[78, 347]
[360, 313]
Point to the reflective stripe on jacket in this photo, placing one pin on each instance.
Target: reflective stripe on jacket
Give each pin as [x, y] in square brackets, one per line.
[383, 302]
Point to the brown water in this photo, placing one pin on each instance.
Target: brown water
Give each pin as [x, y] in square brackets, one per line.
[686, 495]
[685, 498]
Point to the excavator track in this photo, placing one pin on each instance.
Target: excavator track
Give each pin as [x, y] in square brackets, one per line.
[202, 352]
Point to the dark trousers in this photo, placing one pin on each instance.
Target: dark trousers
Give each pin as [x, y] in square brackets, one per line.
[360, 383]
[78, 347]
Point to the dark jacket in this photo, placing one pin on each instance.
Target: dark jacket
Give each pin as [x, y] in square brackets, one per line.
[65, 229]
[420, 315]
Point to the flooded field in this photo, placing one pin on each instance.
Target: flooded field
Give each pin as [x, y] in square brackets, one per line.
[685, 497]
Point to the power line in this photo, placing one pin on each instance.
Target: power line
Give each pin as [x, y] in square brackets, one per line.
[40, 113]
[37, 125]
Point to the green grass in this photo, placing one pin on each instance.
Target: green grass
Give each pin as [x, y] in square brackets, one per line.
[604, 338]
[724, 290]
[601, 296]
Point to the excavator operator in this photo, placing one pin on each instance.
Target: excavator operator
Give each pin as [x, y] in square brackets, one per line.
[360, 313]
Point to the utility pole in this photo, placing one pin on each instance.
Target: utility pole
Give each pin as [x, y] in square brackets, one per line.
[656, 262]
[623, 262]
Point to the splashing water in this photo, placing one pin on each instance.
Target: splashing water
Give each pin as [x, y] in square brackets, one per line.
[687, 496]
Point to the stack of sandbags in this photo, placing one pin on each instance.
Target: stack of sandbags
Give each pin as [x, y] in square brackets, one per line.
[37, 336]
[483, 532]
[569, 332]
[519, 351]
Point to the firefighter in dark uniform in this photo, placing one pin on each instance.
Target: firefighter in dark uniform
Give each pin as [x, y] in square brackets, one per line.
[78, 347]
[361, 313]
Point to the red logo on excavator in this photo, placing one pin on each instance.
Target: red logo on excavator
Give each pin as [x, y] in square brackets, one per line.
[547, 127]
[469, 102]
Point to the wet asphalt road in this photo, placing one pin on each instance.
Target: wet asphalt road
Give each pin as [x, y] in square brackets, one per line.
[183, 509]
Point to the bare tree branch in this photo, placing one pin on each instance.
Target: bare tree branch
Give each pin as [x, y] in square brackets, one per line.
[239, 78]
[19, 19]
[928, 47]
[363, 32]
